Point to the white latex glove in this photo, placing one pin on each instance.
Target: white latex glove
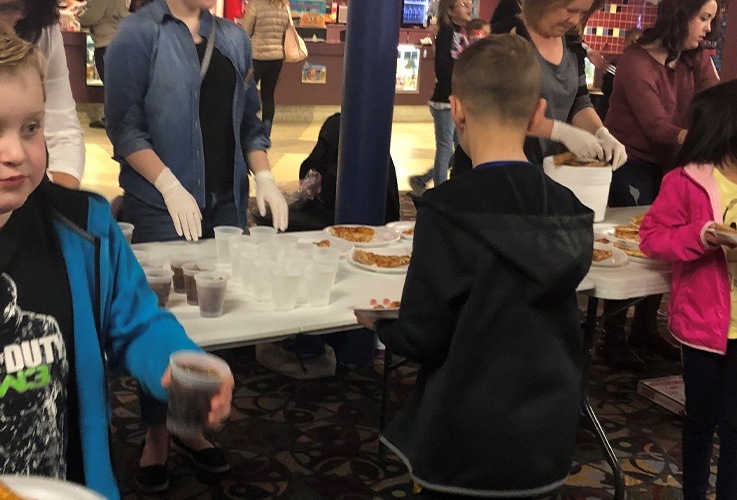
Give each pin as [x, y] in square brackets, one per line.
[181, 205]
[268, 193]
[613, 149]
[579, 142]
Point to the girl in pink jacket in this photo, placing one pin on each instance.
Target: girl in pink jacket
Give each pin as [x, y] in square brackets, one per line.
[693, 224]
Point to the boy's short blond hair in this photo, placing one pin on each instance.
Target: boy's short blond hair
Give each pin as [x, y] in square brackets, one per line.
[478, 24]
[16, 53]
[498, 76]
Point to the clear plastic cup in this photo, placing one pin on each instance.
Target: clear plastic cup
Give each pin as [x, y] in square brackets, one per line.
[127, 229]
[300, 265]
[211, 287]
[270, 250]
[294, 251]
[176, 263]
[222, 235]
[327, 257]
[247, 258]
[262, 234]
[195, 379]
[236, 245]
[262, 279]
[189, 270]
[154, 262]
[160, 282]
[319, 281]
[284, 287]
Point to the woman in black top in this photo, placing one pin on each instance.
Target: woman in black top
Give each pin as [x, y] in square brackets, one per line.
[453, 15]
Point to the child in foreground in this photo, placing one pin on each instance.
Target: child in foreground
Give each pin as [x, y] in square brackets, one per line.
[489, 305]
[694, 201]
[73, 303]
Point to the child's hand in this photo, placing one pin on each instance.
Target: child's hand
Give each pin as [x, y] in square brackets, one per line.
[220, 402]
[366, 321]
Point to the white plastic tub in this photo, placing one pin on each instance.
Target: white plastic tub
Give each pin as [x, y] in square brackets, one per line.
[589, 184]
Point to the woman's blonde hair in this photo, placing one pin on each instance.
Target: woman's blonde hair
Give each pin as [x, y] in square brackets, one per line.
[16, 53]
[533, 11]
[280, 3]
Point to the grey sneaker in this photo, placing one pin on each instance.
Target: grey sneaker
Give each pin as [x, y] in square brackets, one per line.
[417, 184]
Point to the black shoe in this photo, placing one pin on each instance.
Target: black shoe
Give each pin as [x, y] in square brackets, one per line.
[654, 342]
[213, 460]
[152, 478]
[618, 355]
[98, 123]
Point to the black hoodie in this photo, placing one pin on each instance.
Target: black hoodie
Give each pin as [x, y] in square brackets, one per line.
[489, 311]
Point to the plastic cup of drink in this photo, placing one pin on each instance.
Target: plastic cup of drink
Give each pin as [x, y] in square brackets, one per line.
[284, 287]
[160, 282]
[300, 265]
[326, 257]
[211, 287]
[154, 263]
[262, 279]
[127, 229]
[247, 258]
[270, 250]
[195, 379]
[294, 251]
[190, 269]
[222, 234]
[319, 281]
[262, 234]
[236, 245]
[176, 263]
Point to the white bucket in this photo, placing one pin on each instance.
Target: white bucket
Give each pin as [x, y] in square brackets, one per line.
[589, 184]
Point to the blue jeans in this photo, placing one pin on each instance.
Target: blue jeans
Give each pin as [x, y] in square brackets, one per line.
[446, 138]
[711, 384]
[155, 224]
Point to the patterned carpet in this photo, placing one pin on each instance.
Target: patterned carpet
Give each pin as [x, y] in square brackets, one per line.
[317, 439]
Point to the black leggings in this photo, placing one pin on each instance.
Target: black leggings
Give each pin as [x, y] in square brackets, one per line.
[267, 72]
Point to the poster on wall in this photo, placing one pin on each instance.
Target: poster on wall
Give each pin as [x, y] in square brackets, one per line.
[299, 7]
[314, 73]
[408, 70]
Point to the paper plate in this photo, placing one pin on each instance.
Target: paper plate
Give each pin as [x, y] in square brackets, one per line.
[607, 231]
[45, 488]
[383, 236]
[342, 245]
[398, 250]
[618, 258]
[392, 313]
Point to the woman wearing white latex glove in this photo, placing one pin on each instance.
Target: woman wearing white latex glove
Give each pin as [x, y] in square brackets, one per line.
[578, 141]
[182, 206]
[267, 193]
[614, 151]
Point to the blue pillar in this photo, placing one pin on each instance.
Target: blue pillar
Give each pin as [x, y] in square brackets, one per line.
[370, 64]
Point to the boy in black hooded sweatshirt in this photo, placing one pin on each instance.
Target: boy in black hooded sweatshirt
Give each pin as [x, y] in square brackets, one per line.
[489, 308]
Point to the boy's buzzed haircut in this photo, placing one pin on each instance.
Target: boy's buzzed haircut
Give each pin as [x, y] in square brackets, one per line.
[16, 53]
[476, 24]
[499, 75]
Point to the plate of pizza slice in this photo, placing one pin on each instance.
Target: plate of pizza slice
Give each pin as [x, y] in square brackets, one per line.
[393, 260]
[386, 309]
[608, 256]
[405, 228]
[363, 236]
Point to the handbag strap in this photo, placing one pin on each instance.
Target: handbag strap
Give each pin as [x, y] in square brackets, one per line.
[208, 52]
[289, 12]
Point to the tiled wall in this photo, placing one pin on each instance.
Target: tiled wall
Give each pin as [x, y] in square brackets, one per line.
[606, 29]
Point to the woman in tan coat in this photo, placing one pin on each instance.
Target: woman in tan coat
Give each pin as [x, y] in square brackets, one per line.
[266, 22]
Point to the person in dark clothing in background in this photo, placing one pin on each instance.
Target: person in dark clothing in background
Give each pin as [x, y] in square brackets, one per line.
[504, 17]
[495, 329]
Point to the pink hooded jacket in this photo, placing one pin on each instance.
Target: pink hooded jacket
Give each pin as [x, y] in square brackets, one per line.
[673, 230]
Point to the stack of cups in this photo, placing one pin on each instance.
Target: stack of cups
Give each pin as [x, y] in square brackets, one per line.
[190, 286]
[177, 261]
[222, 235]
[160, 282]
[211, 287]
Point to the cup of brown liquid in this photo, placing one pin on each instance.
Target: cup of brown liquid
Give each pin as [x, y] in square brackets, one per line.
[195, 378]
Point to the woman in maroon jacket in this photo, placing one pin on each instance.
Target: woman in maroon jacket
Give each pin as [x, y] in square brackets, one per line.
[656, 80]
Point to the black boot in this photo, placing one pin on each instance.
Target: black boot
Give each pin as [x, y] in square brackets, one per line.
[645, 332]
[614, 348]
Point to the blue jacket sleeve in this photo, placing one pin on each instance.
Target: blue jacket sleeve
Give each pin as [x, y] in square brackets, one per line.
[140, 336]
[127, 65]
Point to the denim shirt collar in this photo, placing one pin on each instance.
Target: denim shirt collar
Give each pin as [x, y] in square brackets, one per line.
[161, 13]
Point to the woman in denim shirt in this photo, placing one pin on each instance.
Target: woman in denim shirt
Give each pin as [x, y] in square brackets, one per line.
[184, 142]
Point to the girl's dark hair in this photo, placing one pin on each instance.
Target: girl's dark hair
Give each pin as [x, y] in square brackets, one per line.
[39, 15]
[671, 28]
[712, 126]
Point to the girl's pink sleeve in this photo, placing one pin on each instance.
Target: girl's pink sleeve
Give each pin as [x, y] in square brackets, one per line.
[669, 231]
